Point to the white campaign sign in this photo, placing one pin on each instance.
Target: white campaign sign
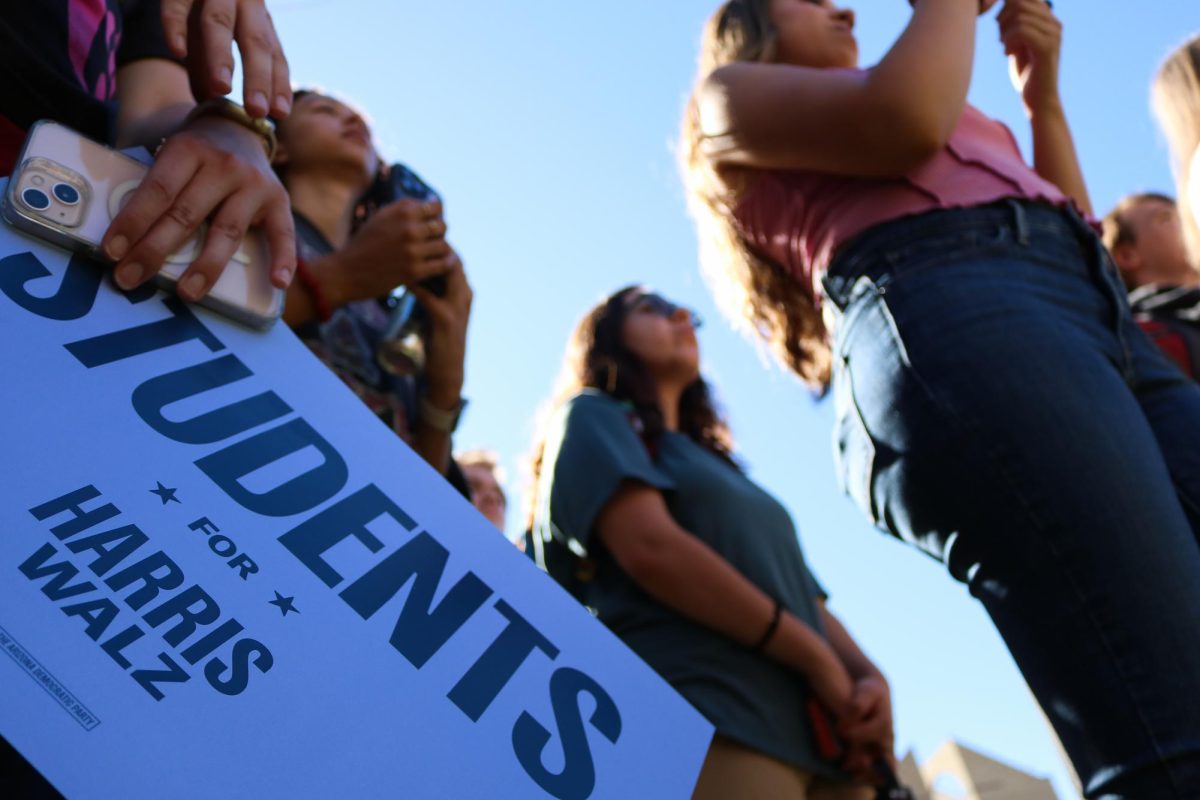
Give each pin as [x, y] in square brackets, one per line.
[221, 576]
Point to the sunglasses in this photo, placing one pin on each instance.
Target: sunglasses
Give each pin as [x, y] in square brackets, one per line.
[657, 304]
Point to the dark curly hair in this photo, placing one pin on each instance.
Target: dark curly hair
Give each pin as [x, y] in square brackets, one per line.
[597, 358]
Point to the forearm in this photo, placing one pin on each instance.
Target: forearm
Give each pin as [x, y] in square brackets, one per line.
[149, 130]
[443, 391]
[1054, 154]
[299, 306]
[433, 446]
[856, 661]
[153, 98]
[927, 71]
[323, 276]
[693, 580]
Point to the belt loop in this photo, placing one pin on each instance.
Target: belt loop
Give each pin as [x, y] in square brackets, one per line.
[1020, 221]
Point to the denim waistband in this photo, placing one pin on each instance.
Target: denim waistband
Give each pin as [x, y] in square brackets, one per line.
[1027, 222]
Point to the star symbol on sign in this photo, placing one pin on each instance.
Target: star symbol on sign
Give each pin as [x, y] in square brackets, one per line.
[284, 603]
[165, 494]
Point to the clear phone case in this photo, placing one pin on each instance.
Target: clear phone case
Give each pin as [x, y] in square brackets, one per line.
[66, 189]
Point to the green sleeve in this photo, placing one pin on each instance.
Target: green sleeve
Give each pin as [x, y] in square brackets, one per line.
[591, 449]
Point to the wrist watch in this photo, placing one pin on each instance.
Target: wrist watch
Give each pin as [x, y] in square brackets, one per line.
[440, 419]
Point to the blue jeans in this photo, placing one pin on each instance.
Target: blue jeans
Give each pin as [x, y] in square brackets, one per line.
[998, 408]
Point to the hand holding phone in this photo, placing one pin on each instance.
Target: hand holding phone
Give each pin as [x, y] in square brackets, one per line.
[400, 244]
[400, 192]
[67, 190]
[212, 168]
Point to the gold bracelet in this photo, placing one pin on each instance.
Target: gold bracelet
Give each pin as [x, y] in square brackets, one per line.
[227, 109]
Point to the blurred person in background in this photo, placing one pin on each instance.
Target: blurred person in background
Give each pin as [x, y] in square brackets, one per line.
[1144, 236]
[640, 510]
[486, 479]
[350, 262]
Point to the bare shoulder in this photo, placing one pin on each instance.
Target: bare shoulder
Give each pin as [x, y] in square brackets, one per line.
[792, 117]
[714, 96]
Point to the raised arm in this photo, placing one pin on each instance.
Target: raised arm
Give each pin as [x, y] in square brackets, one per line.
[686, 575]
[446, 355]
[1032, 38]
[879, 122]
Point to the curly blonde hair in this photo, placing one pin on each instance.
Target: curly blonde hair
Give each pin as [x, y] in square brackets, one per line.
[756, 293]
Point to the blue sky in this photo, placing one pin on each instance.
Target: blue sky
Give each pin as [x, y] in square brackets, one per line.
[548, 127]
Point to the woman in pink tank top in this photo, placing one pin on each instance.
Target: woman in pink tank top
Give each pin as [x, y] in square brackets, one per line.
[997, 407]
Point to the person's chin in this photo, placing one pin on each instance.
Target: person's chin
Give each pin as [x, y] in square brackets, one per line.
[351, 147]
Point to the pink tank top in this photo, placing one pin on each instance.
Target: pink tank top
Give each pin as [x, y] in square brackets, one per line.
[799, 219]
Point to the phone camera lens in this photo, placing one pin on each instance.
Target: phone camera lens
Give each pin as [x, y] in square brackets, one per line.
[66, 193]
[35, 199]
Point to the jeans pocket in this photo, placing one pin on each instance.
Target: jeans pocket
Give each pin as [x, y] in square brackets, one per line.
[854, 450]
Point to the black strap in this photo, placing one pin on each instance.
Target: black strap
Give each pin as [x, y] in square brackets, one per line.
[773, 626]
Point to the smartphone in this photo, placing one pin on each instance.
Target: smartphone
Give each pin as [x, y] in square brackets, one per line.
[401, 349]
[398, 182]
[66, 189]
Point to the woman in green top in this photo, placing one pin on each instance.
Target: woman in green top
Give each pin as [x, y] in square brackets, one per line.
[694, 566]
